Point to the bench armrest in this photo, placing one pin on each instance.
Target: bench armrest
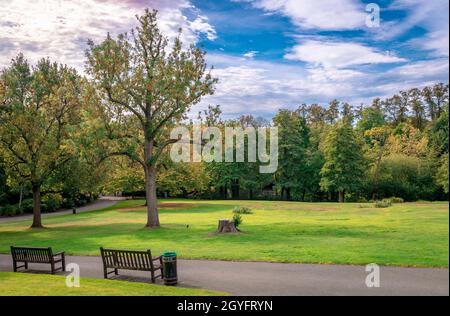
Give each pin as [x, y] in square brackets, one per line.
[62, 254]
[157, 259]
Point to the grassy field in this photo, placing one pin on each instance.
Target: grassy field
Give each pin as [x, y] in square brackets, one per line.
[21, 284]
[411, 234]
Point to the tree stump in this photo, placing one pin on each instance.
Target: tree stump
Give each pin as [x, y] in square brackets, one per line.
[227, 226]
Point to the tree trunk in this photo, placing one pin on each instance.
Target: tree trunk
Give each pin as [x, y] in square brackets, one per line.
[37, 223]
[226, 226]
[150, 190]
[341, 196]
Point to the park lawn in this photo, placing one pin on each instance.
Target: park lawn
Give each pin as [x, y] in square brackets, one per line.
[24, 284]
[410, 234]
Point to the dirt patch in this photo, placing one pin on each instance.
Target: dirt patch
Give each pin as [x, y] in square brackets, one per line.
[160, 207]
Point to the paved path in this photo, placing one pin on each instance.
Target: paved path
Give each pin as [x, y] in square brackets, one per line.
[273, 279]
[97, 205]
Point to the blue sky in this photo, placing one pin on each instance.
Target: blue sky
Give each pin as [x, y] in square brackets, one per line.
[267, 54]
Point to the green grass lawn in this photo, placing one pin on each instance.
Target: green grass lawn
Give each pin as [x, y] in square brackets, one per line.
[21, 284]
[410, 234]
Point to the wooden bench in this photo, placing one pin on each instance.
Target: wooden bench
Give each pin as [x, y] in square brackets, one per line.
[131, 260]
[28, 255]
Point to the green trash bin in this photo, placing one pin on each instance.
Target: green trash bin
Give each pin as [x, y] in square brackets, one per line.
[170, 274]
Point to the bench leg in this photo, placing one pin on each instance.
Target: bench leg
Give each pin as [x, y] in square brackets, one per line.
[105, 272]
[15, 266]
[153, 277]
[53, 267]
[63, 262]
[26, 265]
[116, 271]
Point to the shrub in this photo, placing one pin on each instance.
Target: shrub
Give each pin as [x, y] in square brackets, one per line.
[27, 206]
[242, 210]
[397, 200]
[383, 204]
[8, 210]
[237, 219]
[51, 203]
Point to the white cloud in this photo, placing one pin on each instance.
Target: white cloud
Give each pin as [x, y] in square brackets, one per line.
[251, 54]
[431, 15]
[322, 14]
[60, 29]
[261, 88]
[338, 54]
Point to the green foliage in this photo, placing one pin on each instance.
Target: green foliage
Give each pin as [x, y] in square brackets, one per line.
[242, 210]
[237, 219]
[371, 118]
[385, 203]
[344, 162]
[397, 200]
[293, 171]
[442, 174]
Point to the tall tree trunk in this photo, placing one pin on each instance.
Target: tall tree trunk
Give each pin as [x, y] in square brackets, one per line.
[150, 192]
[341, 196]
[37, 222]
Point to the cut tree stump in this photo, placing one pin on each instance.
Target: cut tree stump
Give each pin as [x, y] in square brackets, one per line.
[227, 226]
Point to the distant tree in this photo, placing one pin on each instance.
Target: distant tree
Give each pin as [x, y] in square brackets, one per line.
[378, 137]
[39, 112]
[347, 113]
[439, 134]
[371, 117]
[436, 98]
[332, 113]
[152, 83]
[419, 117]
[442, 174]
[293, 144]
[344, 166]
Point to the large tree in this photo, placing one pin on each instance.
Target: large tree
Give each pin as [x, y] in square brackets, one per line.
[292, 174]
[39, 111]
[152, 83]
[343, 170]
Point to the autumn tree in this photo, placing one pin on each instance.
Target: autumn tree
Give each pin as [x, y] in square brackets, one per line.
[39, 111]
[153, 83]
[343, 170]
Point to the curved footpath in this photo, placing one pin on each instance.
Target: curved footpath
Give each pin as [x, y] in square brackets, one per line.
[267, 279]
[94, 206]
[273, 279]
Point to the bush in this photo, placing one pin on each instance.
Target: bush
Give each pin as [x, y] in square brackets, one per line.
[397, 200]
[237, 219]
[27, 206]
[51, 203]
[242, 210]
[383, 204]
[10, 210]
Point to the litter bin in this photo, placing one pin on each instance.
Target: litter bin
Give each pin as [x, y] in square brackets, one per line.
[170, 274]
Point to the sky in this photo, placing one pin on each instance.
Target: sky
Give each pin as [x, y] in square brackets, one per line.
[267, 54]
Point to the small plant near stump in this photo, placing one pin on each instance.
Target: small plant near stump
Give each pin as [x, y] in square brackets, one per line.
[242, 210]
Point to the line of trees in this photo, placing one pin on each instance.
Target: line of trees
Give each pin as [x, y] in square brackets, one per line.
[394, 147]
[64, 137]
